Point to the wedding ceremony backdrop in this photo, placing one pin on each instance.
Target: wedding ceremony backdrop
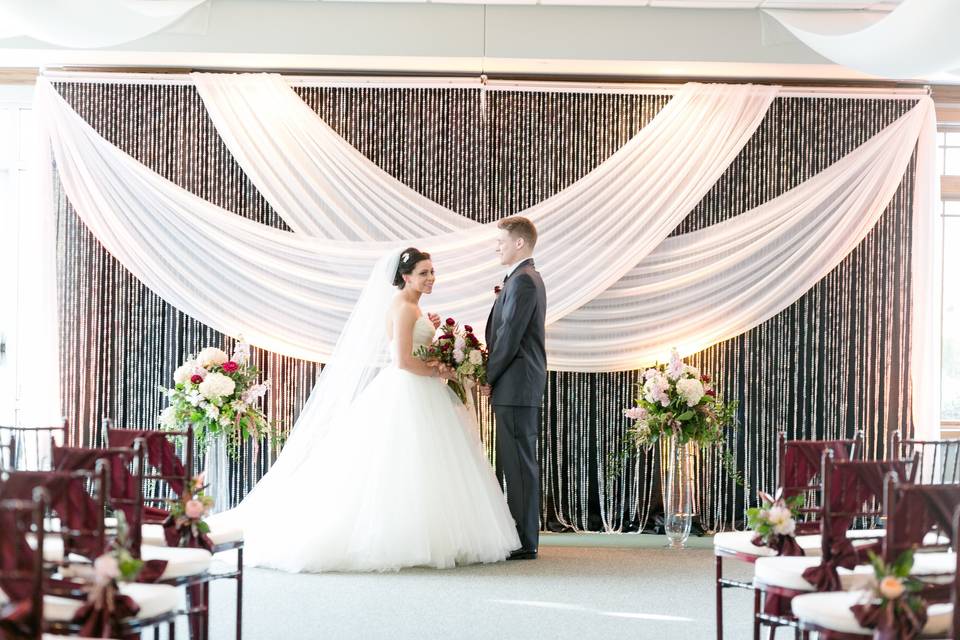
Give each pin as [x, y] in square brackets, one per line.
[771, 235]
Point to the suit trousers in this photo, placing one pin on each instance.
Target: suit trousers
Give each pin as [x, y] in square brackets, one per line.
[518, 430]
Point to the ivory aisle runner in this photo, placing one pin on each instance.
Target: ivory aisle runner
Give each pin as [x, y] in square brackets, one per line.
[584, 410]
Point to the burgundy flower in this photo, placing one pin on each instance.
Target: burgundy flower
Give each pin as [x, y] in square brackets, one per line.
[496, 290]
[447, 336]
[196, 378]
[450, 322]
[705, 378]
[711, 393]
[468, 328]
[230, 366]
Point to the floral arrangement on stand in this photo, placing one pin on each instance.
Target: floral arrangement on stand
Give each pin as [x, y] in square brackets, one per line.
[676, 399]
[459, 349]
[220, 396]
[774, 523]
[185, 527]
[893, 608]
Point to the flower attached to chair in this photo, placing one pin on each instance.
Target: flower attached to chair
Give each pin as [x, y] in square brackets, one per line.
[774, 522]
[893, 606]
[106, 607]
[185, 527]
[219, 395]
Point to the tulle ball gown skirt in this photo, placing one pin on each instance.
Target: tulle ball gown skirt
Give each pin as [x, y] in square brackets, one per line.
[400, 480]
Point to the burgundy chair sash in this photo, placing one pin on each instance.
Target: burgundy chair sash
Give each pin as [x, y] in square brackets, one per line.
[105, 609]
[851, 485]
[801, 461]
[68, 499]
[15, 555]
[895, 620]
[17, 620]
[161, 454]
[123, 485]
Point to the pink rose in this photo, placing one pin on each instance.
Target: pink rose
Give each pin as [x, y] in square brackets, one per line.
[196, 378]
[230, 366]
[194, 509]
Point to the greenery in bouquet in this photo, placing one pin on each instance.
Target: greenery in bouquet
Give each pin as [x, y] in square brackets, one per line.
[220, 396]
[676, 399]
[458, 348]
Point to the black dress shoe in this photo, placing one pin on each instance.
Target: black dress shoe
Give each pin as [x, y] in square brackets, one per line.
[523, 554]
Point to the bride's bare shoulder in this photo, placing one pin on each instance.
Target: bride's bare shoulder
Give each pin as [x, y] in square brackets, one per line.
[403, 311]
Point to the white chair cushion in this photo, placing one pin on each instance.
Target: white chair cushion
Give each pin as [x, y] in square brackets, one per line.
[153, 534]
[832, 611]
[153, 600]
[787, 571]
[739, 542]
[180, 561]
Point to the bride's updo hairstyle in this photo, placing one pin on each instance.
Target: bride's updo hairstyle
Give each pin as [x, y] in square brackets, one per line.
[408, 262]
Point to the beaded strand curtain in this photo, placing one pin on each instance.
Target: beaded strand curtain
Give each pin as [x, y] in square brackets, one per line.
[834, 362]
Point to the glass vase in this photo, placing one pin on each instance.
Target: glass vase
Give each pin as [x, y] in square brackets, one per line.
[678, 493]
[218, 472]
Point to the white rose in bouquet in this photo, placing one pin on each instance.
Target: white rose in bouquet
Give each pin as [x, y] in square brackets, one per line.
[782, 520]
[216, 385]
[168, 417]
[211, 356]
[476, 358]
[690, 390]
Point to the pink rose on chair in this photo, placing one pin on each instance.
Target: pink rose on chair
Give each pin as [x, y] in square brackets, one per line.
[194, 509]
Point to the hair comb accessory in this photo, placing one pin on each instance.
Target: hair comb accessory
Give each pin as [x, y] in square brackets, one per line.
[405, 256]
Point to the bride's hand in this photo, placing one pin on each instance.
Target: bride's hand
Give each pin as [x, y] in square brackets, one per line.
[446, 372]
[435, 319]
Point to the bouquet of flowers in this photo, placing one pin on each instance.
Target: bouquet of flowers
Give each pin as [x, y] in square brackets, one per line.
[458, 348]
[774, 522]
[676, 399]
[894, 608]
[219, 395]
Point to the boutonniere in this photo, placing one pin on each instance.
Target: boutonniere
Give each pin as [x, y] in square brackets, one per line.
[497, 289]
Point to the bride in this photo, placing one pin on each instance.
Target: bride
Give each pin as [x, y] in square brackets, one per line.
[384, 468]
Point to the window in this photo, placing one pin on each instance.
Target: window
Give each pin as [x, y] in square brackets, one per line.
[949, 160]
[16, 124]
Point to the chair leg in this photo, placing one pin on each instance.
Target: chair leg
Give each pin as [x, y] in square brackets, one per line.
[756, 614]
[719, 603]
[240, 593]
[206, 611]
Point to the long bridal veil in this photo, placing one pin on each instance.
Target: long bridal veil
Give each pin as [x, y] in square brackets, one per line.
[362, 350]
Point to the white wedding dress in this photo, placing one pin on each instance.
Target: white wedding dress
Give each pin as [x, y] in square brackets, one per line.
[399, 479]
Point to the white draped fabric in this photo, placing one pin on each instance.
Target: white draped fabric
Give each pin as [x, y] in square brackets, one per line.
[88, 24]
[291, 293]
[917, 39]
[621, 294]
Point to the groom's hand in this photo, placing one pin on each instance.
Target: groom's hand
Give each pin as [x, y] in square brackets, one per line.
[485, 390]
[435, 319]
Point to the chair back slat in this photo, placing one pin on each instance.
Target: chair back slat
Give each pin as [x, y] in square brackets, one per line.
[31, 445]
[939, 459]
[172, 475]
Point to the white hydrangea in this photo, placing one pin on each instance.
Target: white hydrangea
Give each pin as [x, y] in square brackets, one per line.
[212, 411]
[211, 356]
[216, 385]
[692, 371]
[168, 417]
[183, 372]
[476, 357]
[690, 390]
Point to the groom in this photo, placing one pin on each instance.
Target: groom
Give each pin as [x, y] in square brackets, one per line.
[517, 375]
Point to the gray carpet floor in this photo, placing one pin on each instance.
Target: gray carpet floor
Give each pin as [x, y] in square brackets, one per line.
[581, 586]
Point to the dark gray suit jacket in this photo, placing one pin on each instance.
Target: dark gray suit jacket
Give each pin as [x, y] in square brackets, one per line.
[516, 336]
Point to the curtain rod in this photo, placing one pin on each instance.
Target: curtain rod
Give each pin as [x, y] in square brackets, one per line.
[427, 82]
